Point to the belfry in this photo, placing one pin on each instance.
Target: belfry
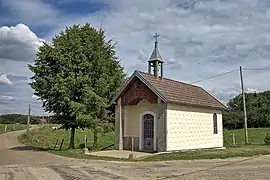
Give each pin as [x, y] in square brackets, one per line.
[155, 62]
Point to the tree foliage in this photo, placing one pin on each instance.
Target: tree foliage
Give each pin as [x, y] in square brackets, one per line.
[79, 64]
[258, 111]
[18, 118]
[92, 113]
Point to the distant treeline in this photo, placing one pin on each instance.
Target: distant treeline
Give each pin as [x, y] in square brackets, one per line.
[22, 119]
[258, 111]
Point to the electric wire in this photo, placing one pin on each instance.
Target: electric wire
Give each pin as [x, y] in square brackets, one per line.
[259, 69]
[211, 77]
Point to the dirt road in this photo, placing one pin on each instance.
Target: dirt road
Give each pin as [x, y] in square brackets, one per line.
[19, 162]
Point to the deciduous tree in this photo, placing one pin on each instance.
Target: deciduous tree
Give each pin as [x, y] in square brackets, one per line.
[79, 64]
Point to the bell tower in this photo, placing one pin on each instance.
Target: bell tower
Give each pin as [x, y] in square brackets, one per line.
[155, 62]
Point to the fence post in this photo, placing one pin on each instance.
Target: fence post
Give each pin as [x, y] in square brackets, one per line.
[132, 144]
[233, 138]
[5, 128]
[55, 144]
[61, 144]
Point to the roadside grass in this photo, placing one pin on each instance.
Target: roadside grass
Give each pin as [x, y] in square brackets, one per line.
[255, 147]
[44, 138]
[244, 151]
[255, 136]
[11, 127]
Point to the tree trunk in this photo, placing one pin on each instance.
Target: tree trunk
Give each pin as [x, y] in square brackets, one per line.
[72, 138]
[95, 140]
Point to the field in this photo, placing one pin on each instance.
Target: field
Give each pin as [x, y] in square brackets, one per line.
[46, 138]
[256, 136]
[12, 127]
[255, 147]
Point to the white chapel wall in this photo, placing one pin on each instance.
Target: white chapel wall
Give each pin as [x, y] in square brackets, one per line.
[192, 128]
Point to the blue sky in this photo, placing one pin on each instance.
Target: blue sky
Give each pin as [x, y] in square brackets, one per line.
[198, 38]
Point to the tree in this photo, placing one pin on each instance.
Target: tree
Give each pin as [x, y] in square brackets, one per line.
[92, 113]
[258, 111]
[78, 63]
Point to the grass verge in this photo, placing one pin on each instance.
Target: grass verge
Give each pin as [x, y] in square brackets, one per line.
[44, 138]
[11, 127]
[244, 151]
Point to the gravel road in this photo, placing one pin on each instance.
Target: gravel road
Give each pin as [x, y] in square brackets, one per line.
[20, 162]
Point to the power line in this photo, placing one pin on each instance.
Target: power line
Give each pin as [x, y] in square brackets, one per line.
[259, 69]
[218, 75]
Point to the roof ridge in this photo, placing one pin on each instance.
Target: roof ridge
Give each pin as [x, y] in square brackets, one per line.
[171, 80]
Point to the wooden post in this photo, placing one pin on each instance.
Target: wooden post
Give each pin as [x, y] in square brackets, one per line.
[132, 144]
[28, 119]
[55, 144]
[85, 141]
[120, 124]
[61, 144]
[14, 127]
[233, 138]
[244, 104]
[5, 128]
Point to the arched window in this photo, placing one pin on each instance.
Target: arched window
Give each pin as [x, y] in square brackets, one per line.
[215, 123]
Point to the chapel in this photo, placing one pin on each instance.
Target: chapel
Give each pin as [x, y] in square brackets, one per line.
[156, 114]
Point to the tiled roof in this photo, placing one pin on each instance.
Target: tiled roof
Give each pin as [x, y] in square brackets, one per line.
[182, 93]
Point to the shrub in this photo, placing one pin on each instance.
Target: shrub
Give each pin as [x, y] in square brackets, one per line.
[267, 139]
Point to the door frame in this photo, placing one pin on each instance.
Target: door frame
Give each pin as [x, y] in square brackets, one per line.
[141, 139]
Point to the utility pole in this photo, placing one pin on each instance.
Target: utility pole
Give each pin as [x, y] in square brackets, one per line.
[244, 104]
[28, 119]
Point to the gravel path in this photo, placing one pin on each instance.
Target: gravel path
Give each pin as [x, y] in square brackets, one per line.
[20, 162]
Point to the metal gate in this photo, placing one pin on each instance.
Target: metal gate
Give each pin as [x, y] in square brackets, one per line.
[148, 132]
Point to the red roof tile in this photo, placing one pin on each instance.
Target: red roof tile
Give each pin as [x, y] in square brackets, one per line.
[182, 93]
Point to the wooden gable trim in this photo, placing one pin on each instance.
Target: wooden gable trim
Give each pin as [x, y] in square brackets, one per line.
[135, 92]
[140, 77]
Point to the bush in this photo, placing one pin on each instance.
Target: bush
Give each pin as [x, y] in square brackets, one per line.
[267, 139]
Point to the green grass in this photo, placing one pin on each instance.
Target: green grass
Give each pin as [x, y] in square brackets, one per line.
[244, 151]
[45, 138]
[11, 127]
[256, 136]
[255, 147]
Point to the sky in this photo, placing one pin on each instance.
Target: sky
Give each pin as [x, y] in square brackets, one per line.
[198, 39]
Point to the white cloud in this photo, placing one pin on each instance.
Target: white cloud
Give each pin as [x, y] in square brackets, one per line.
[8, 99]
[17, 43]
[4, 79]
[35, 97]
[197, 39]
[18, 47]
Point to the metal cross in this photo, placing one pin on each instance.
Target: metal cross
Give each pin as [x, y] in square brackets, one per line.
[156, 36]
